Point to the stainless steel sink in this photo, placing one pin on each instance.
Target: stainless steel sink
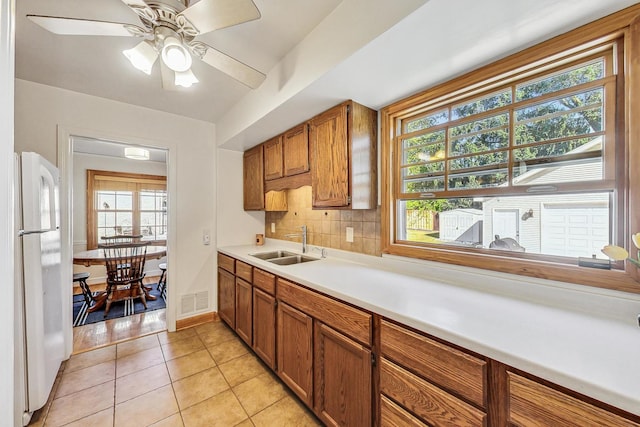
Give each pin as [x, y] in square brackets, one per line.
[294, 259]
[283, 257]
[273, 254]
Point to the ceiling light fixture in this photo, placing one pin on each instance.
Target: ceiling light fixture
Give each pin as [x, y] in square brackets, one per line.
[185, 78]
[143, 56]
[170, 28]
[175, 55]
[136, 153]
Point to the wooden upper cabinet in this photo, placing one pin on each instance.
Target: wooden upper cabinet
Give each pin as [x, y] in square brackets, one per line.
[342, 145]
[253, 183]
[296, 150]
[273, 158]
[330, 158]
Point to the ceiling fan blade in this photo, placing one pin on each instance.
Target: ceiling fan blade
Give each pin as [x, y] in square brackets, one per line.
[168, 77]
[130, 3]
[209, 15]
[84, 27]
[232, 67]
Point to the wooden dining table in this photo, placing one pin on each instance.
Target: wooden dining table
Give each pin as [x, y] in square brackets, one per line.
[96, 257]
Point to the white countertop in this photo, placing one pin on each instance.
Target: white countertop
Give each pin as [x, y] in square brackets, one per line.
[583, 338]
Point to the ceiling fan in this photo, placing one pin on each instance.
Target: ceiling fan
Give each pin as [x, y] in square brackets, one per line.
[169, 31]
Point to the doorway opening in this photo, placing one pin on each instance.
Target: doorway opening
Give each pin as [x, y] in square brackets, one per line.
[115, 195]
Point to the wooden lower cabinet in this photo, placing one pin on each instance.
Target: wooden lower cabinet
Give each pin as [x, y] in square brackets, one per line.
[244, 310]
[295, 351]
[264, 327]
[321, 348]
[393, 415]
[342, 383]
[449, 368]
[535, 404]
[227, 297]
[430, 403]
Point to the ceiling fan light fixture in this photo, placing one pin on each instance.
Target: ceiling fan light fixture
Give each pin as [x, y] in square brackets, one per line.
[136, 153]
[175, 55]
[142, 57]
[185, 78]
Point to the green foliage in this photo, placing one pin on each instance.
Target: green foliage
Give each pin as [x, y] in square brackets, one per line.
[442, 205]
[475, 142]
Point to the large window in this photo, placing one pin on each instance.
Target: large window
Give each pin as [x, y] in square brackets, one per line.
[520, 167]
[122, 203]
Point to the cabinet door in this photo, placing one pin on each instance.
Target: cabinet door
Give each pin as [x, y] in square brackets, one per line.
[227, 297]
[273, 158]
[296, 150]
[244, 312]
[330, 158]
[253, 179]
[264, 327]
[342, 382]
[295, 351]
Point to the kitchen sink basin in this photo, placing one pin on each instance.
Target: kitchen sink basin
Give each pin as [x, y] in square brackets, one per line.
[273, 254]
[293, 259]
[283, 257]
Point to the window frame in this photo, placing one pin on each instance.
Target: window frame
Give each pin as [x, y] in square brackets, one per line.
[136, 182]
[623, 27]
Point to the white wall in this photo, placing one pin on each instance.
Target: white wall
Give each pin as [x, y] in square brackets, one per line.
[350, 26]
[235, 226]
[7, 372]
[81, 163]
[43, 111]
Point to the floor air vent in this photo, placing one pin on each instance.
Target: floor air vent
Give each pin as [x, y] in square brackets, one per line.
[194, 302]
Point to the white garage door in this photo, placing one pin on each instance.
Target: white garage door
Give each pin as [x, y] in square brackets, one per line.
[574, 230]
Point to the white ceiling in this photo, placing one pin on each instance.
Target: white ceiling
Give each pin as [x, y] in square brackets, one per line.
[95, 65]
[99, 147]
[441, 39]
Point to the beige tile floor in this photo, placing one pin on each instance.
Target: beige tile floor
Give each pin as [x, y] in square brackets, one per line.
[201, 376]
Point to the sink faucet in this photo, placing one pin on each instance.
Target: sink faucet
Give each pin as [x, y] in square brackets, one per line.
[304, 237]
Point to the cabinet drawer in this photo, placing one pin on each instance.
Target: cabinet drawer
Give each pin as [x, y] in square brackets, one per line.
[393, 415]
[344, 318]
[534, 404]
[244, 271]
[226, 262]
[430, 403]
[265, 281]
[449, 368]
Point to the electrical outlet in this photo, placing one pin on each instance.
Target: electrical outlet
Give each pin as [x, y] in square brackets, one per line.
[350, 234]
[273, 227]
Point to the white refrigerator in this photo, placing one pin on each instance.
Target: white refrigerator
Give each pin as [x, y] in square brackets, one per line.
[40, 338]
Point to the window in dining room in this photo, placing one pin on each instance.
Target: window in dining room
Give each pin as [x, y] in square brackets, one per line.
[125, 203]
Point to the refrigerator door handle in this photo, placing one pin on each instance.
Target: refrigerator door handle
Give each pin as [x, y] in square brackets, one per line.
[26, 232]
[46, 175]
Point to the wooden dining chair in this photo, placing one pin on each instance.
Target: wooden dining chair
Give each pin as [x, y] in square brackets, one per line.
[120, 238]
[125, 271]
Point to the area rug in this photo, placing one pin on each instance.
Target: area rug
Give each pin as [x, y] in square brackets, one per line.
[81, 316]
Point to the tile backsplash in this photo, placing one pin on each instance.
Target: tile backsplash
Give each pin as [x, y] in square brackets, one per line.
[325, 227]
